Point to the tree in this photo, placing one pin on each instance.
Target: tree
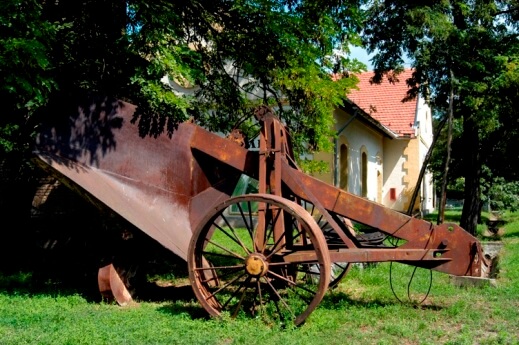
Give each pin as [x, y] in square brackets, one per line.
[237, 53]
[476, 42]
[25, 66]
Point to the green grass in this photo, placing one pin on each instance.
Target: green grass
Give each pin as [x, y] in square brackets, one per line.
[362, 310]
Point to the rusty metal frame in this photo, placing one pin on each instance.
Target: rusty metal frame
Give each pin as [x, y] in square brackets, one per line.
[166, 185]
[446, 248]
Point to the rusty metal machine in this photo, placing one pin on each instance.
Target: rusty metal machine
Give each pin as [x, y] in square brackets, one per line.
[271, 254]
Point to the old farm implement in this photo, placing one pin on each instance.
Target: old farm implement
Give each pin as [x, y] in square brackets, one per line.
[274, 253]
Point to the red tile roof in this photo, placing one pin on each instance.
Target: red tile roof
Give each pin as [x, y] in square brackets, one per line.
[384, 102]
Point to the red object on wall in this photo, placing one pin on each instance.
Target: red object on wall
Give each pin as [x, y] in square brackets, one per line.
[392, 194]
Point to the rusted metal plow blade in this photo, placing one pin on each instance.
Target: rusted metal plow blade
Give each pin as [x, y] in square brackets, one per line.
[112, 287]
[155, 183]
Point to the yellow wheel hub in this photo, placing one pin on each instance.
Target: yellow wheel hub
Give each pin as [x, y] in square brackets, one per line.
[256, 265]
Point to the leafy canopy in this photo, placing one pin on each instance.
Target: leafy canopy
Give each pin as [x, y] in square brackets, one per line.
[469, 47]
[226, 57]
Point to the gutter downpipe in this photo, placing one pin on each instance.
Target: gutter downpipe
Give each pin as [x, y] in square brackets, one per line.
[336, 149]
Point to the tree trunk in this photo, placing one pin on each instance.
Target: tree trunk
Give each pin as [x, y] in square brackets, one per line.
[472, 200]
[443, 193]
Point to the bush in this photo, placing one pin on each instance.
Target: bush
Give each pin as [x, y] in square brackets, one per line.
[503, 195]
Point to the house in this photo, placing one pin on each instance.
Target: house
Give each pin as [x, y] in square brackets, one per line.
[381, 145]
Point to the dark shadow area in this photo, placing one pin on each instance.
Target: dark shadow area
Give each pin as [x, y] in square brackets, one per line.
[508, 234]
[81, 127]
[157, 293]
[35, 283]
[153, 124]
[194, 311]
[503, 232]
[57, 247]
[335, 300]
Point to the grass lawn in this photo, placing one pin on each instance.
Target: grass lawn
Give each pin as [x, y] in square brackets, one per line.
[361, 310]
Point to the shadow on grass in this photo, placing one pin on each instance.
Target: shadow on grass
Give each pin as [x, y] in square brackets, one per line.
[195, 312]
[336, 300]
[181, 300]
[177, 300]
[508, 234]
[155, 293]
[32, 283]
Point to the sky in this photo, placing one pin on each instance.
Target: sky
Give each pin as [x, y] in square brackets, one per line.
[361, 55]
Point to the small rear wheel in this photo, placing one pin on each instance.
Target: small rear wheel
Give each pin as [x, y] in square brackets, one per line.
[261, 248]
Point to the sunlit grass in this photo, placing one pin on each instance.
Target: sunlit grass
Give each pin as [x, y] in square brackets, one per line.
[361, 310]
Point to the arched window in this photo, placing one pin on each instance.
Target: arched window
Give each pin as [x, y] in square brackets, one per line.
[364, 180]
[343, 177]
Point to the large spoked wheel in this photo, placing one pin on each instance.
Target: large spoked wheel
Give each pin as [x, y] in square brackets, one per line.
[268, 258]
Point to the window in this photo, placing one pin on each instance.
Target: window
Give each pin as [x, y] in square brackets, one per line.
[364, 180]
[343, 177]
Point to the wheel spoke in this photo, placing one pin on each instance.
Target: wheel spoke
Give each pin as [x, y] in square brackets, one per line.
[290, 282]
[225, 286]
[219, 275]
[272, 222]
[206, 253]
[242, 296]
[235, 238]
[218, 268]
[249, 226]
[239, 241]
[342, 267]
[332, 238]
[280, 299]
[319, 222]
[280, 239]
[237, 291]
[225, 249]
[274, 249]
[308, 271]
[258, 293]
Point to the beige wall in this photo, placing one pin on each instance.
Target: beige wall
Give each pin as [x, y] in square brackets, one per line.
[392, 163]
[412, 167]
[394, 173]
[359, 138]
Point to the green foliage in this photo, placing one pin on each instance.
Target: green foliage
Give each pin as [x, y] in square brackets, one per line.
[25, 66]
[471, 49]
[313, 166]
[229, 56]
[503, 195]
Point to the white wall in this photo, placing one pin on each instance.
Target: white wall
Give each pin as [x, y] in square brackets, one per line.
[358, 138]
[425, 135]
[394, 172]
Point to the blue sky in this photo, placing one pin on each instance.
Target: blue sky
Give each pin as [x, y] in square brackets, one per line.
[361, 55]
